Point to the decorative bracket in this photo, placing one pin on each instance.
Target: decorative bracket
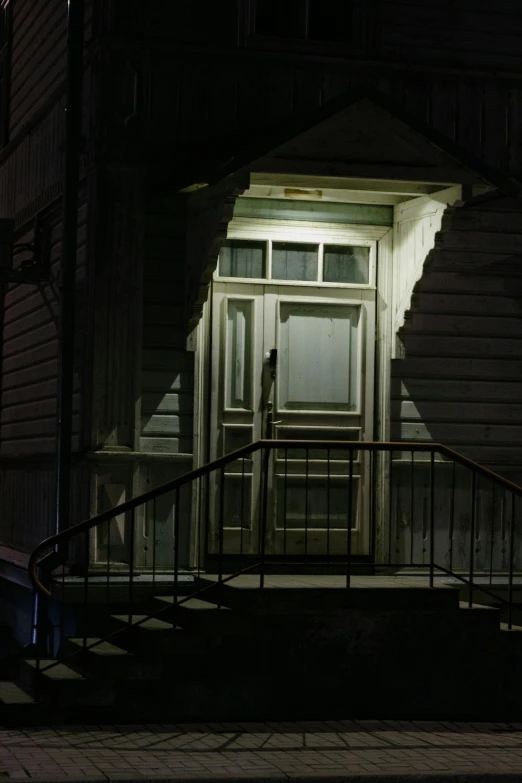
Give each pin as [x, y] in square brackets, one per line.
[32, 270]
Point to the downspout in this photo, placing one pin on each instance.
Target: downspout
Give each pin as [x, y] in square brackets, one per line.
[73, 129]
[67, 289]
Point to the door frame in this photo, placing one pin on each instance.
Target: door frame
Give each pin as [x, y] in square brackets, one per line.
[245, 228]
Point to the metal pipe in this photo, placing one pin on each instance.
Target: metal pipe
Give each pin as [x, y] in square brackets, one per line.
[73, 119]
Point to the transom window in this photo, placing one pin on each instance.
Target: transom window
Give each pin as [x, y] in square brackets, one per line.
[305, 20]
[310, 262]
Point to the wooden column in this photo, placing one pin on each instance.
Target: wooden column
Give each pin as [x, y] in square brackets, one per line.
[117, 310]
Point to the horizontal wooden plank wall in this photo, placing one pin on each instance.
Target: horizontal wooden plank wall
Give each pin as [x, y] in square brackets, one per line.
[481, 115]
[460, 382]
[30, 352]
[167, 369]
[38, 57]
[445, 32]
[28, 500]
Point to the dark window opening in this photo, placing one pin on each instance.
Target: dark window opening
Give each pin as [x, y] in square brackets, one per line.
[305, 20]
[5, 68]
[330, 20]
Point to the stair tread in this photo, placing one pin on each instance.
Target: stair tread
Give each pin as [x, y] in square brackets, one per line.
[12, 693]
[504, 627]
[150, 624]
[58, 672]
[192, 603]
[101, 648]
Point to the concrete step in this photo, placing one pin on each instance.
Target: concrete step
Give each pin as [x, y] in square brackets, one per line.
[61, 684]
[107, 661]
[142, 621]
[18, 707]
[296, 601]
[156, 638]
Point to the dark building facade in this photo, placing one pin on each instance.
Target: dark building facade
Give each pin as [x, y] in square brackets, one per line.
[357, 166]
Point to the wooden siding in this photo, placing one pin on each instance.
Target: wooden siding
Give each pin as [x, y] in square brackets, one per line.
[444, 32]
[39, 54]
[30, 352]
[28, 493]
[482, 116]
[167, 368]
[460, 382]
[415, 226]
[116, 306]
[38, 57]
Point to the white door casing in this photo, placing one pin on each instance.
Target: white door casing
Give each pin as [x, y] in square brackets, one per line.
[324, 334]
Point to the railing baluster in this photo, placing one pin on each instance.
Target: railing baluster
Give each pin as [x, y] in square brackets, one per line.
[62, 603]
[349, 522]
[131, 564]
[176, 544]
[472, 537]
[284, 506]
[511, 561]
[221, 529]
[85, 599]
[264, 512]
[390, 507]
[37, 637]
[207, 518]
[108, 585]
[199, 540]
[492, 532]
[412, 505]
[153, 540]
[328, 506]
[373, 531]
[452, 516]
[432, 519]
[242, 515]
[306, 512]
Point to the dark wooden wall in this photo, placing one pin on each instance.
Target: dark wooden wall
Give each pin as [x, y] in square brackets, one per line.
[453, 65]
[460, 382]
[31, 172]
[156, 101]
[167, 386]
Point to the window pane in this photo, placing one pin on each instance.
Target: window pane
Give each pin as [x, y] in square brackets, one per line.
[330, 20]
[239, 354]
[291, 261]
[242, 259]
[281, 18]
[346, 264]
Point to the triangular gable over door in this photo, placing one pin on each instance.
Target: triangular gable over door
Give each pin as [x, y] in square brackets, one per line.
[360, 135]
[367, 141]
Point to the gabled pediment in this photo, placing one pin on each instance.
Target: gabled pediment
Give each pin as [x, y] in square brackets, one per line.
[364, 134]
[366, 140]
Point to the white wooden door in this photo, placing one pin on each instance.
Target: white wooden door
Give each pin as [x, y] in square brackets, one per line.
[318, 386]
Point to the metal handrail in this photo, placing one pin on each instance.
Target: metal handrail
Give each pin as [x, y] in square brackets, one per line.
[221, 462]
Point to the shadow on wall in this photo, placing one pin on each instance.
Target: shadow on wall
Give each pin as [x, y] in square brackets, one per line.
[460, 382]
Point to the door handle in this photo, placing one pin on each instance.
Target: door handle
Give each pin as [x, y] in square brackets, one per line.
[272, 361]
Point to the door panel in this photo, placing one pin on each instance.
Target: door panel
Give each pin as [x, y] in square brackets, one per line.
[320, 389]
[317, 357]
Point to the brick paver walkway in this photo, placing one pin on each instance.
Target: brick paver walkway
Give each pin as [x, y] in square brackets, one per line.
[269, 752]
